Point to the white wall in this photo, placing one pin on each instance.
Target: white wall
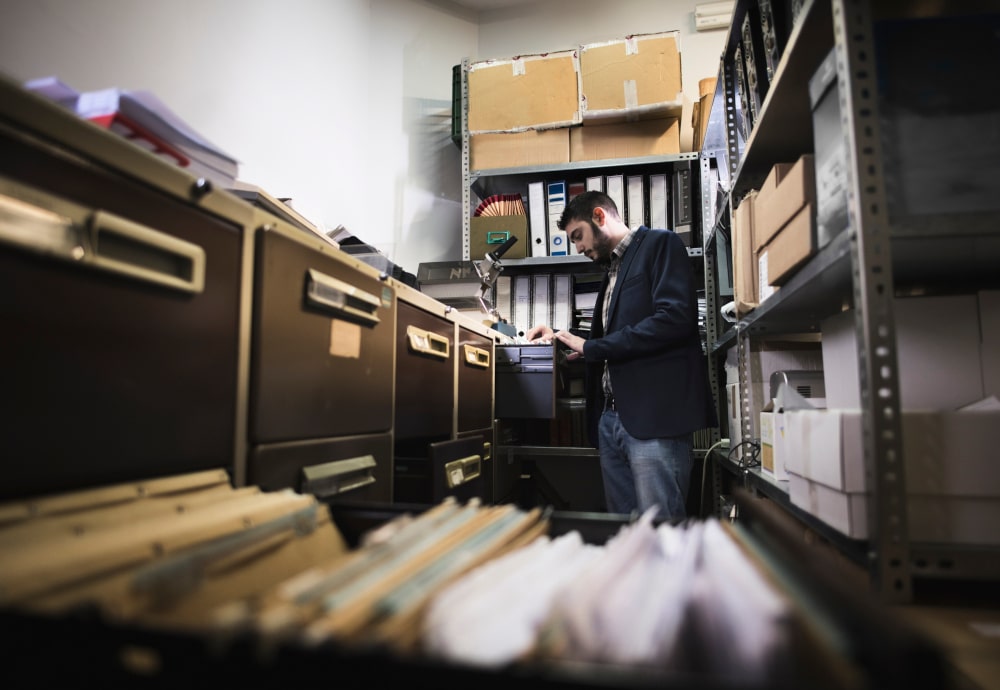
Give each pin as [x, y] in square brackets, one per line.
[342, 105]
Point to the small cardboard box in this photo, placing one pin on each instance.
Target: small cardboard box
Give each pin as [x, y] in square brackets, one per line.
[487, 233]
[744, 262]
[516, 149]
[626, 140]
[526, 92]
[791, 247]
[635, 78]
[785, 191]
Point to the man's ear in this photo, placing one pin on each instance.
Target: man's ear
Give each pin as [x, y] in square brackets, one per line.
[599, 216]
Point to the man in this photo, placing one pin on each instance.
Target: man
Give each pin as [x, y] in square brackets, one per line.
[646, 379]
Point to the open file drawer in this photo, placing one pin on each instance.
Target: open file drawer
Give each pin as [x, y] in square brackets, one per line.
[837, 642]
[525, 382]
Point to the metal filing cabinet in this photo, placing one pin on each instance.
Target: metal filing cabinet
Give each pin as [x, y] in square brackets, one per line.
[321, 368]
[425, 393]
[474, 402]
[119, 297]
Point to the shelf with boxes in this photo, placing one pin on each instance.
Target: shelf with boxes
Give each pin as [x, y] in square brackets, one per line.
[876, 234]
[547, 126]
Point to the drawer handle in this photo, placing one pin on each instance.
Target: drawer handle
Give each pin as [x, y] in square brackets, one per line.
[428, 343]
[137, 251]
[338, 477]
[333, 294]
[107, 242]
[477, 357]
[458, 472]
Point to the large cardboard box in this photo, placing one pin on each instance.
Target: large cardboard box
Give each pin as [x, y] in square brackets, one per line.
[634, 78]
[744, 261]
[517, 149]
[784, 192]
[626, 140]
[790, 247]
[487, 233]
[937, 352]
[526, 92]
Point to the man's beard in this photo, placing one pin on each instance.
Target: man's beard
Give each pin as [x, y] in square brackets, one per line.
[602, 246]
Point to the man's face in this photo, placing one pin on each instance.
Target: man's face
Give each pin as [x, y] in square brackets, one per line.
[590, 240]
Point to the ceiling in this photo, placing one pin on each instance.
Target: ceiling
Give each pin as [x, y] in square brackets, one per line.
[484, 5]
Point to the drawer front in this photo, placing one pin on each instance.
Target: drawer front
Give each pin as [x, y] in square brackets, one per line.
[425, 374]
[119, 356]
[349, 468]
[475, 381]
[321, 347]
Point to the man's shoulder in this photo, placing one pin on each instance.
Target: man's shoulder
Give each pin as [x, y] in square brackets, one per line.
[659, 235]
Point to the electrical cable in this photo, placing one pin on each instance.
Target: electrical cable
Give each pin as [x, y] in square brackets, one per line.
[704, 471]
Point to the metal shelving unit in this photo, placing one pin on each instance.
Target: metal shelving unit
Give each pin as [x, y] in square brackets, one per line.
[884, 251]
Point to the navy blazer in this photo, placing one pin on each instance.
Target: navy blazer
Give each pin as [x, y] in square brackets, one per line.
[659, 374]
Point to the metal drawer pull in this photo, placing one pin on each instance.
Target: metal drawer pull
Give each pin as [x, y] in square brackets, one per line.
[427, 342]
[339, 476]
[331, 293]
[38, 229]
[137, 251]
[108, 242]
[477, 356]
[463, 470]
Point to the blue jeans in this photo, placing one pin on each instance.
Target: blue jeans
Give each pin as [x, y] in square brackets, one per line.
[641, 473]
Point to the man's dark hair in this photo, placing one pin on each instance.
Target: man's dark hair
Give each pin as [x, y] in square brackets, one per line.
[581, 207]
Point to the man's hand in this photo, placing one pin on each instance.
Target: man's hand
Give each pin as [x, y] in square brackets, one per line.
[537, 333]
[573, 342]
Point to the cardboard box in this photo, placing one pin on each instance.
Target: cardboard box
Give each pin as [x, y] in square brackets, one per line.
[937, 352]
[767, 439]
[745, 274]
[526, 92]
[627, 140]
[784, 192]
[487, 233]
[516, 149]
[636, 78]
[703, 110]
[931, 519]
[944, 453]
[791, 247]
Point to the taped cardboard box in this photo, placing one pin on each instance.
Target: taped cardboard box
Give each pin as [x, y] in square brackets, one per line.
[629, 79]
[625, 140]
[785, 191]
[516, 149]
[791, 247]
[525, 92]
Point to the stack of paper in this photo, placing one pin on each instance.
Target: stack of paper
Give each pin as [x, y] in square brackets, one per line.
[146, 121]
